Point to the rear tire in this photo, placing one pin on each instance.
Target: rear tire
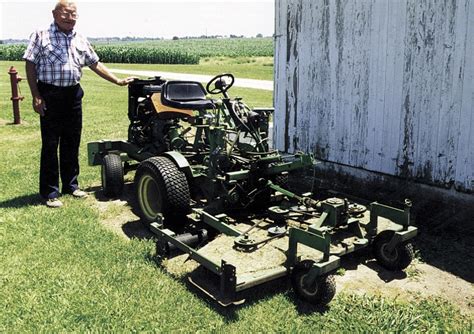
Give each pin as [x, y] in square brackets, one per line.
[322, 290]
[112, 175]
[161, 188]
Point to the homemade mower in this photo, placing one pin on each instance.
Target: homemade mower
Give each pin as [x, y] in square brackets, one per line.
[207, 183]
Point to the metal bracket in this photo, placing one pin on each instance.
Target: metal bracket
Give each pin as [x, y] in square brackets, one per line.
[316, 238]
[401, 236]
[228, 279]
[400, 217]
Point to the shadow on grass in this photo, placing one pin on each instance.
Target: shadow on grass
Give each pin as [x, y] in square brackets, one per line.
[446, 238]
[449, 249]
[10, 123]
[384, 274]
[136, 229]
[21, 201]
[126, 195]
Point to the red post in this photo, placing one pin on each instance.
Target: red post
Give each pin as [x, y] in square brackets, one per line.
[14, 80]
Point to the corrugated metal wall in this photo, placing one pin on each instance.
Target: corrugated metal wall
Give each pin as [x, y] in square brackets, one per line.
[383, 85]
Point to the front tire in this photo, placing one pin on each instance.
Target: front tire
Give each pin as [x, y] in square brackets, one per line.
[161, 188]
[112, 175]
[398, 259]
[321, 292]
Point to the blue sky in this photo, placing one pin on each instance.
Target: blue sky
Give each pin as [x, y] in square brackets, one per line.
[160, 18]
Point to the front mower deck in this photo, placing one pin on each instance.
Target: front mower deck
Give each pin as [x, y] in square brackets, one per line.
[247, 255]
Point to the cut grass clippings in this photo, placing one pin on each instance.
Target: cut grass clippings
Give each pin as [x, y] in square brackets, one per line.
[63, 271]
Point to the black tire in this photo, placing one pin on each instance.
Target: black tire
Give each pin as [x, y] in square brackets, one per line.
[401, 256]
[161, 188]
[112, 175]
[322, 291]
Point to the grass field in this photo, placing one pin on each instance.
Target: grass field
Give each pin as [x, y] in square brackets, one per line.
[62, 271]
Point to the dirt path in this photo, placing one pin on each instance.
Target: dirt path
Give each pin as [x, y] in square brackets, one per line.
[366, 277]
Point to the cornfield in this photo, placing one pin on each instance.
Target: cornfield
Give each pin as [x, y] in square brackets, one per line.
[141, 55]
[184, 51]
[118, 54]
[12, 52]
[215, 47]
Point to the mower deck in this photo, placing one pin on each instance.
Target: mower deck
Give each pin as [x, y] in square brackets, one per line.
[268, 260]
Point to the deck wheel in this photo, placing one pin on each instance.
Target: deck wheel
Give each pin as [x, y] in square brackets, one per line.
[321, 292]
[397, 259]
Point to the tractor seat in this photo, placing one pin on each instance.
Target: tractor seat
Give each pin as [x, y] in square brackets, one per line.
[185, 95]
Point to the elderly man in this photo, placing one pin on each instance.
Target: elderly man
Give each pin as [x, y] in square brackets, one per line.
[54, 61]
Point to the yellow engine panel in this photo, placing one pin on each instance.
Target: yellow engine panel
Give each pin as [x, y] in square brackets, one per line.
[166, 112]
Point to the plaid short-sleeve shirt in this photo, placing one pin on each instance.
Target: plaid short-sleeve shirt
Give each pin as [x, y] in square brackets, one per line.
[59, 57]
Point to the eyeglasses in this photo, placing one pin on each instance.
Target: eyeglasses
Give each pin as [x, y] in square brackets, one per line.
[65, 15]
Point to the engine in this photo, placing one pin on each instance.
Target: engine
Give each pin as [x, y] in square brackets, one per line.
[149, 132]
[146, 130]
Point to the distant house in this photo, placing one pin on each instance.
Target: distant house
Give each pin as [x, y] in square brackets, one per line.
[380, 86]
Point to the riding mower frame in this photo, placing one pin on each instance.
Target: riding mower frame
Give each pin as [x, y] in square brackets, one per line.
[187, 189]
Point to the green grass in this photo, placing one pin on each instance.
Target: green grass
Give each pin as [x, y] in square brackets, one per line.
[63, 271]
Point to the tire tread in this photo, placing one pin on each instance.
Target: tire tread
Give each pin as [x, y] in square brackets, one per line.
[113, 170]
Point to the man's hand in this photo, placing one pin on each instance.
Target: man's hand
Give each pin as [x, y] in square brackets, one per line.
[38, 105]
[126, 81]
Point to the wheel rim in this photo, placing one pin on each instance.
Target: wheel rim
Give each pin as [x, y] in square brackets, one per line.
[387, 255]
[149, 197]
[308, 290]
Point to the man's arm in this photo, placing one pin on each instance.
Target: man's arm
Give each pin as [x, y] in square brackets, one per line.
[104, 72]
[38, 102]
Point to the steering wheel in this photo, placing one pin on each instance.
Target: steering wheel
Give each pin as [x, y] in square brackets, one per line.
[220, 84]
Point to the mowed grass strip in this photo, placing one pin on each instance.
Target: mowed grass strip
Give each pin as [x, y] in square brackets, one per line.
[63, 271]
[248, 68]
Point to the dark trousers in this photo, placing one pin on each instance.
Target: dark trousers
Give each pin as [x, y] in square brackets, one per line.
[60, 126]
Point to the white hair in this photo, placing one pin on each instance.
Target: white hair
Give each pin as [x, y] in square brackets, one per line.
[64, 3]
